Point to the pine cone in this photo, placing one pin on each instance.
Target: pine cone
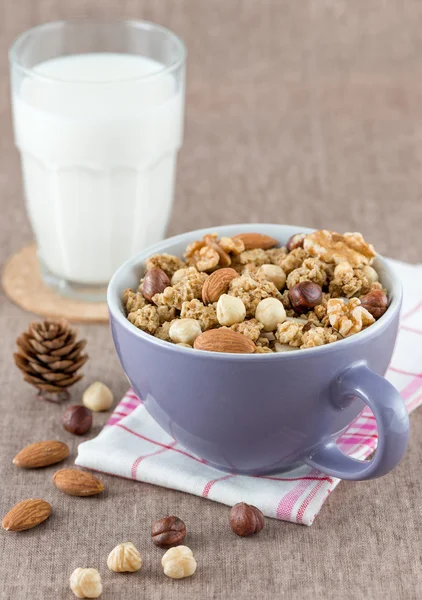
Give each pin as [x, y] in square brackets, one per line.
[49, 357]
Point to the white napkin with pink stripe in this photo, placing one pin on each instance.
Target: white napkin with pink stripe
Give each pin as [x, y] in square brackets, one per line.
[133, 446]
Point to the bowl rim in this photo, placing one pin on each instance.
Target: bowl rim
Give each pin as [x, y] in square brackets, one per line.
[116, 311]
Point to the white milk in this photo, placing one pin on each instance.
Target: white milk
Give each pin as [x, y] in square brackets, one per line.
[98, 152]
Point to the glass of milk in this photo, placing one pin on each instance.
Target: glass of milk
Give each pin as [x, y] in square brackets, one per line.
[98, 120]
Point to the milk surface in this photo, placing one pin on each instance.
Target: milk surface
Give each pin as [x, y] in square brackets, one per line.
[98, 150]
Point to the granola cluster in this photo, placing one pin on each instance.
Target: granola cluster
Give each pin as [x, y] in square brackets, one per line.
[316, 290]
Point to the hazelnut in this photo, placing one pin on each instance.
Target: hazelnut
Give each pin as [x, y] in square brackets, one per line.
[155, 282]
[86, 583]
[230, 310]
[97, 397]
[77, 419]
[270, 312]
[375, 302]
[246, 520]
[370, 274]
[304, 296]
[178, 562]
[168, 532]
[295, 241]
[178, 276]
[124, 558]
[275, 274]
[185, 331]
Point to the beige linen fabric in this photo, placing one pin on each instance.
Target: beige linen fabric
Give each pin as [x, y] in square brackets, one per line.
[300, 112]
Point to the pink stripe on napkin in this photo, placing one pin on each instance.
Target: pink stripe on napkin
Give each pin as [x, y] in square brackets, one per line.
[142, 451]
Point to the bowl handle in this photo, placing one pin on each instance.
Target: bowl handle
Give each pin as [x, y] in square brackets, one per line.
[358, 381]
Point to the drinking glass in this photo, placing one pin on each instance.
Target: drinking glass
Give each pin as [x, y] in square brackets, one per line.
[98, 121]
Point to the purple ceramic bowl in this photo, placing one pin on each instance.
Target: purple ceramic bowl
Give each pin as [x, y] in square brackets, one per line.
[265, 413]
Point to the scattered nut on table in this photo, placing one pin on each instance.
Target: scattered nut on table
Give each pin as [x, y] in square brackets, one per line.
[185, 331]
[77, 483]
[270, 312]
[26, 514]
[97, 397]
[124, 558]
[41, 454]
[246, 519]
[168, 532]
[230, 310]
[86, 583]
[77, 419]
[179, 562]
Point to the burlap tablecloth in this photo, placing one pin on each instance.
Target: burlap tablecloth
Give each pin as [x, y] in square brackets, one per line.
[297, 111]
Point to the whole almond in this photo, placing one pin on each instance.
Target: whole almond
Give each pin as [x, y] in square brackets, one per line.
[41, 454]
[224, 340]
[77, 483]
[256, 240]
[155, 282]
[217, 284]
[26, 515]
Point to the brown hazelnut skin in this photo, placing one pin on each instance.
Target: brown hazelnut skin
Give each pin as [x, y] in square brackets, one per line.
[305, 296]
[246, 519]
[168, 532]
[155, 282]
[295, 241]
[376, 303]
[77, 419]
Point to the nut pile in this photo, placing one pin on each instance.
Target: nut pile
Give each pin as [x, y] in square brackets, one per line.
[168, 533]
[245, 294]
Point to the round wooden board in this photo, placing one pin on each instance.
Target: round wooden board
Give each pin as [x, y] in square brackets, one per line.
[23, 284]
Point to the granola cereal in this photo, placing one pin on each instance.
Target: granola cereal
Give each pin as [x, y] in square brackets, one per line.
[167, 262]
[286, 300]
[256, 257]
[318, 336]
[251, 328]
[293, 260]
[187, 288]
[263, 350]
[206, 315]
[251, 292]
[341, 265]
[252, 270]
[145, 318]
[166, 313]
[264, 342]
[163, 331]
[276, 256]
[133, 301]
[290, 332]
[312, 269]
